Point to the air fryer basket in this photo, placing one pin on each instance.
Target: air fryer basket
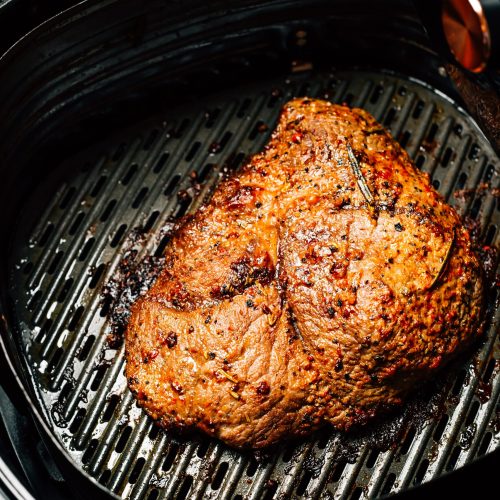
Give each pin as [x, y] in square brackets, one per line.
[115, 142]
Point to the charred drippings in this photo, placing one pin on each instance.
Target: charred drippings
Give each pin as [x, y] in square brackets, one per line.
[489, 257]
[466, 436]
[132, 278]
[480, 191]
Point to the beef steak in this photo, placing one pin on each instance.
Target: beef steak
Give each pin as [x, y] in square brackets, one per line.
[320, 284]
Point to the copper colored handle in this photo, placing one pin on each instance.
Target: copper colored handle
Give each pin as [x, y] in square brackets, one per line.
[467, 32]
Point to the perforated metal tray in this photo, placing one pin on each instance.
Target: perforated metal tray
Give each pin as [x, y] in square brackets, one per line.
[131, 181]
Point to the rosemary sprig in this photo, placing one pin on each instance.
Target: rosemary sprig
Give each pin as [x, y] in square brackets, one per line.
[226, 375]
[365, 190]
[445, 261]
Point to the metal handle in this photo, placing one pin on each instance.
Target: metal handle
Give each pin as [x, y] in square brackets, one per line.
[464, 31]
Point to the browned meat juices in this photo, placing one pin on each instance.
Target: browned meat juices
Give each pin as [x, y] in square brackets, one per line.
[320, 284]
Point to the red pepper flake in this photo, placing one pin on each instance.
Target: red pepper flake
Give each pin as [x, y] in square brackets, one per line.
[171, 340]
[296, 137]
[176, 387]
[263, 389]
[338, 270]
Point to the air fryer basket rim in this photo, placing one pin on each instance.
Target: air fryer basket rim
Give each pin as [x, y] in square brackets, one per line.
[59, 22]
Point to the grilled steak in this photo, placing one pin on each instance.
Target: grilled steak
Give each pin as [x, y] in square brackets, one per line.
[320, 284]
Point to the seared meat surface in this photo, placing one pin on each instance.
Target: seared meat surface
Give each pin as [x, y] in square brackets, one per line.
[320, 284]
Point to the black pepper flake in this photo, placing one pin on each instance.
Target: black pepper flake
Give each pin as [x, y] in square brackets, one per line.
[249, 303]
[339, 302]
[339, 365]
[331, 312]
[191, 329]
[211, 355]
[208, 319]
[258, 204]
[171, 340]
[398, 227]
[390, 260]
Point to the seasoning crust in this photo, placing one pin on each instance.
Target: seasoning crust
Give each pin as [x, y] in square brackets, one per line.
[320, 284]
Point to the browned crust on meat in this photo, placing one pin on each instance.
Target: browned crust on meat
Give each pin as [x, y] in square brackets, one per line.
[320, 284]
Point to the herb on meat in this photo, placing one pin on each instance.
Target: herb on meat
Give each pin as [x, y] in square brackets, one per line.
[363, 186]
[445, 261]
